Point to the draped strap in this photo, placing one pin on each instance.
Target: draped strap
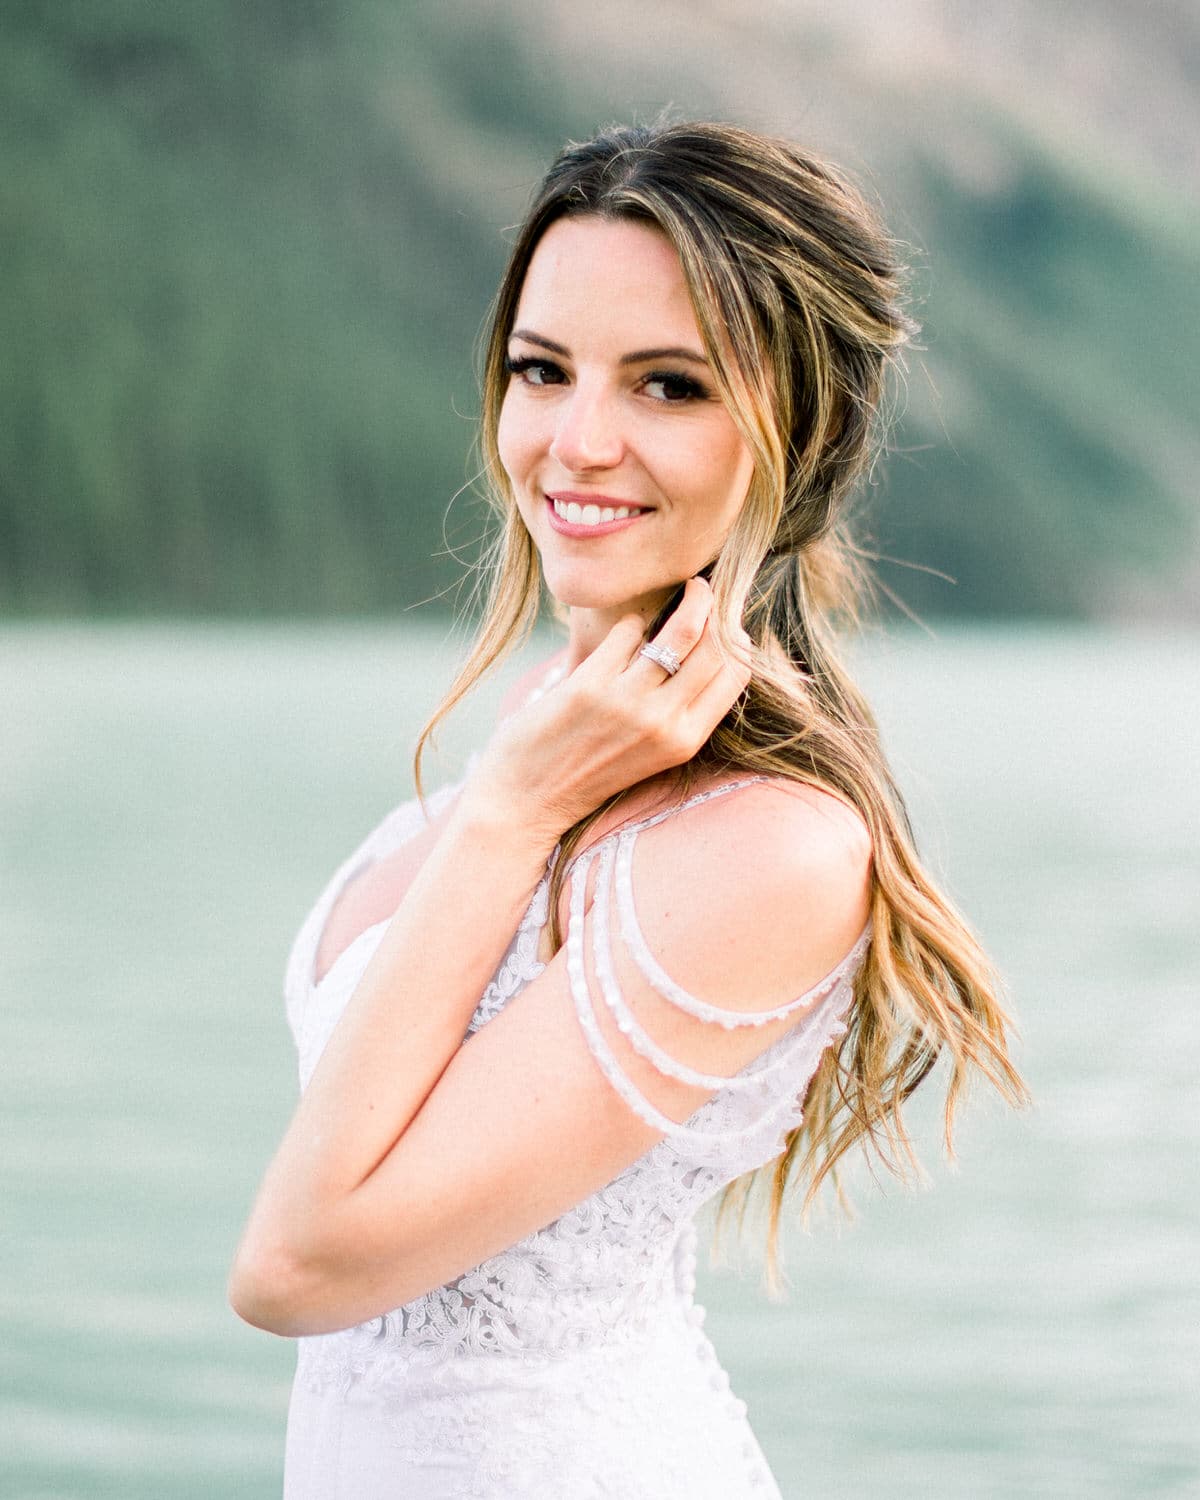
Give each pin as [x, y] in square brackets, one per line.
[771, 1085]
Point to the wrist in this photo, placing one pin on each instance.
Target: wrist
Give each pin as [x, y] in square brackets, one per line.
[491, 816]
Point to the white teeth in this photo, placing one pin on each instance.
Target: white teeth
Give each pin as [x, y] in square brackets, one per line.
[592, 515]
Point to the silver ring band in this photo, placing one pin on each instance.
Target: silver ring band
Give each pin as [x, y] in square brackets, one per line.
[662, 656]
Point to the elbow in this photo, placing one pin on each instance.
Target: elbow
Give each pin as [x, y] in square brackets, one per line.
[296, 1292]
[269, 1288]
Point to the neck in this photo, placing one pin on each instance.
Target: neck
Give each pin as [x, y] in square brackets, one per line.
[588, 627]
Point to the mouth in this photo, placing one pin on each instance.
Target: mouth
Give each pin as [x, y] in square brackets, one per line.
[591, 515]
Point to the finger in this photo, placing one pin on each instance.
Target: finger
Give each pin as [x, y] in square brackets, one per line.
[698, 667]
[711, 660]
[619, 647]
[682, 632]
[718, 695]
[704, 662]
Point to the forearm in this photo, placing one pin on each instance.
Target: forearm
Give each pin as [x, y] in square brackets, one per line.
[613, 724]
[402, 1026]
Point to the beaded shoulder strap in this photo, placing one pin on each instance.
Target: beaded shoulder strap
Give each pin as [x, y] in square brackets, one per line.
[826, 1000]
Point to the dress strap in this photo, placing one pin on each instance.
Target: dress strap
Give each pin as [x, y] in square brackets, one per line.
[694, 801]
[771, 1086]
[633, 829]
[631, 1028]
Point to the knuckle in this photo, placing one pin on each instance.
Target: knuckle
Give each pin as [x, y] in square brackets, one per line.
[685, 635]
[656, 724]
[663, 734]
[589, 697]
[630, 629]
[690, 736]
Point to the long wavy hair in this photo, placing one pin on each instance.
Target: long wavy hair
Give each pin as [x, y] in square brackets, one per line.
[799, 295]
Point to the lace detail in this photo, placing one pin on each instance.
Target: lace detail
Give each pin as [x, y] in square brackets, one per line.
[616, 1423]
[599, 1276]
[575, 1332]
[520, 965]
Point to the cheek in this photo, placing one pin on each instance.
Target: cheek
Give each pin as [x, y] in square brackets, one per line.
[523, 435]
[731, 467]
[508, 438]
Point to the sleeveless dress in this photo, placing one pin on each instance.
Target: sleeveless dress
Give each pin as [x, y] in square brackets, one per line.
[572, 1366]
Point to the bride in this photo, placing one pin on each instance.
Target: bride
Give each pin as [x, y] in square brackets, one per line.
[671, 930]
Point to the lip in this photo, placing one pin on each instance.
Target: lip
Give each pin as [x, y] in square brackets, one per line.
[606, 528]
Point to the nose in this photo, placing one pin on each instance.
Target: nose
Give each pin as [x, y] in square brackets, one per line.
[587, 434]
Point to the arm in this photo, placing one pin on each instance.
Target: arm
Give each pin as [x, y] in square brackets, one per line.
[412, 1157]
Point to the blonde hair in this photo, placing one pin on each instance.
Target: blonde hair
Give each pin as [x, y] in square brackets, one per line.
[798, 293]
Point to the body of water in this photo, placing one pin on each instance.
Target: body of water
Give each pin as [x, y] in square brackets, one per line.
[171, 800]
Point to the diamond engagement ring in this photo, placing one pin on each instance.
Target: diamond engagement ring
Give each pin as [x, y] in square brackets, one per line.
[662, 655]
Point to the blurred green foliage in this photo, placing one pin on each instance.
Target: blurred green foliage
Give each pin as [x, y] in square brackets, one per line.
[1060, 453]
[247, 247]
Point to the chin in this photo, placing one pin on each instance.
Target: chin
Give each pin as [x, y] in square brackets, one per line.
[573, 592]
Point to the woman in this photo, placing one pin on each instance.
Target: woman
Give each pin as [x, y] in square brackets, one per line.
[674, 898]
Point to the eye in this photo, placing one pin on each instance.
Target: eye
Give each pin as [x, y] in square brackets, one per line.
[672, 388]
[537, 372]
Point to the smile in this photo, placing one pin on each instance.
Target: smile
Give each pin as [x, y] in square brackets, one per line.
[575, 516]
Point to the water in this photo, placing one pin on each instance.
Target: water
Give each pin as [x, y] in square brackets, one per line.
[170, 800]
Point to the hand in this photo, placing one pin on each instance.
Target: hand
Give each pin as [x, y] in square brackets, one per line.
[617, 720]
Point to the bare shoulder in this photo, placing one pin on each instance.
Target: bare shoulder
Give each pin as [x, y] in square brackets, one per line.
[771, 881]
[773, 831]
[801, 829]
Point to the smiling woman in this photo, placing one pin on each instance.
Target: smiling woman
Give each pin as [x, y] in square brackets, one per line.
[670, 934]
[624, 415]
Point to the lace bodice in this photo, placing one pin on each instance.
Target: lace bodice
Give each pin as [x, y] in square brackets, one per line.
[617, 1263]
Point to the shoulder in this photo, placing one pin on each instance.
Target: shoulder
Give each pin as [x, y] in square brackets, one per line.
[764, 836]
[754, 894]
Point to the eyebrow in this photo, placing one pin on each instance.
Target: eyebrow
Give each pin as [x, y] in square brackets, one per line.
[638, 357]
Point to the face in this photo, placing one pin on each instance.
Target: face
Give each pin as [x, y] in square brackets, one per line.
[625, 463]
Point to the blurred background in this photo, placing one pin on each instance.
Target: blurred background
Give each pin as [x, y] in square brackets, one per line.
[248, 245]
[246, 250]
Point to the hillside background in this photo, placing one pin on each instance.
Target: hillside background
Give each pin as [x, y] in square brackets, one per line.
[247, 247]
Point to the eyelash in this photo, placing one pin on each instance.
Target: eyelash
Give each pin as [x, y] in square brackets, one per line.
[687, 388]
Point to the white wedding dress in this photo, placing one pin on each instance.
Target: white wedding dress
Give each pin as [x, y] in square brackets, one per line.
[573, 1365]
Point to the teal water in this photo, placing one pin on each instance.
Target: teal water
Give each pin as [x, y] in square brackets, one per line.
[170, 801]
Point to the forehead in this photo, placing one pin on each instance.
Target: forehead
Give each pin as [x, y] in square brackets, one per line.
[610, 277]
